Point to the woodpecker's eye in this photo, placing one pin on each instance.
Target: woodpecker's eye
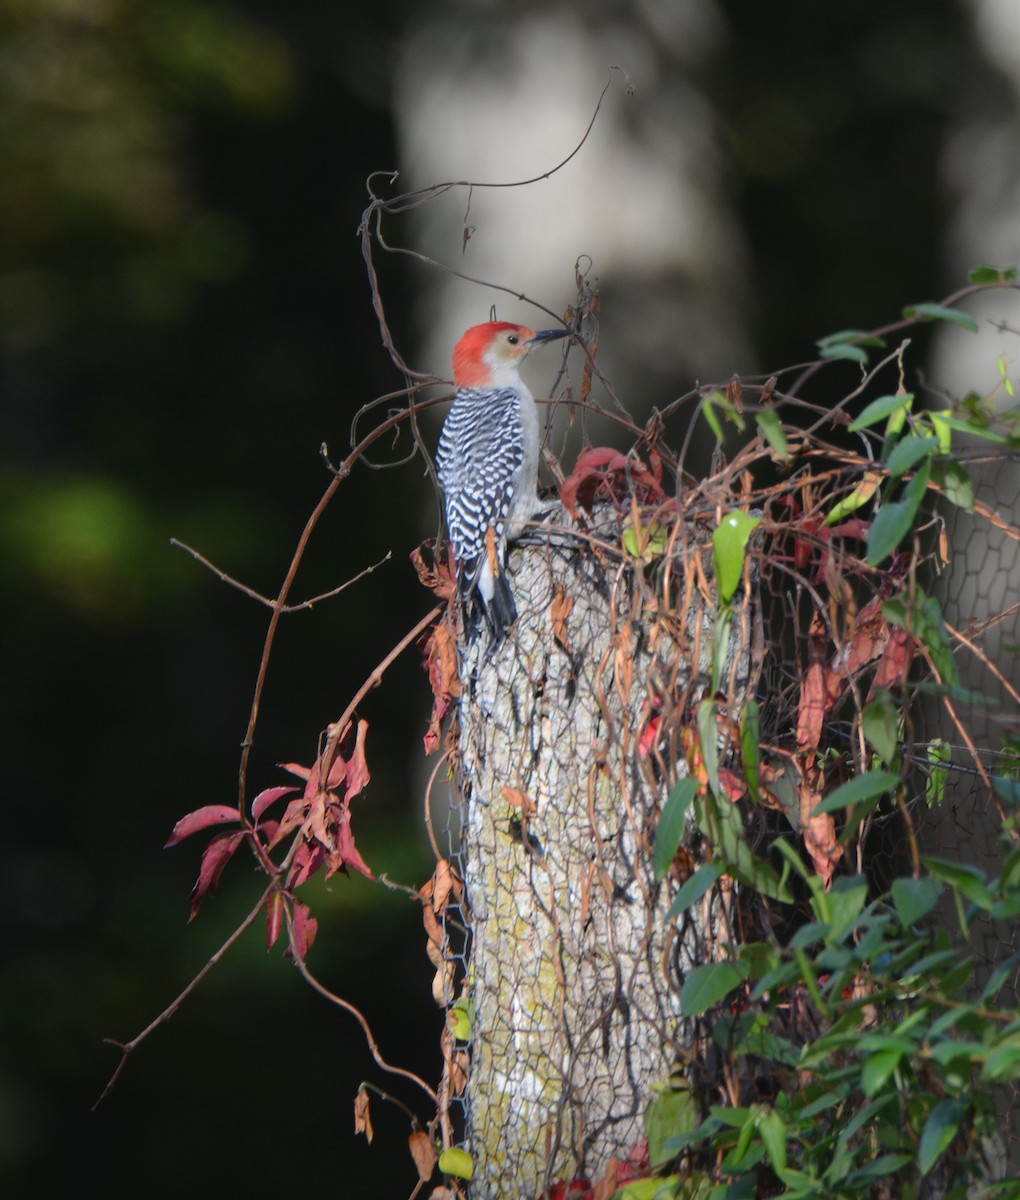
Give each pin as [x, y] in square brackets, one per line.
[512, 338]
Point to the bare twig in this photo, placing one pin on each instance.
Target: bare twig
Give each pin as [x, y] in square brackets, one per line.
[128, 1048]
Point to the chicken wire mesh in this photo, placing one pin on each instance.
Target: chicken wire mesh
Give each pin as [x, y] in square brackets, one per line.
[638, 656]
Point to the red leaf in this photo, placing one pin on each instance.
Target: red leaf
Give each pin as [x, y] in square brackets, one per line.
[337, 768]
[441, 663]
[305, 928]
[296, 769]
[590, 470]
[292, 818]
[267, 831]
[201, 818]
[854, 528]
[649, 736]
[358, 773]
[894, 665]
[308, 858]
[264, 799]
[217, 854]
[349, 856]
[274, 919]
[732, 784]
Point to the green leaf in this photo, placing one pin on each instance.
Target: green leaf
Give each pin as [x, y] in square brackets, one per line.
[943, 432]
[850, 335]
[455, 1161]
[672, 823]
[844, 902]
[880, 721]
[881, 408]
[460, 1017]
[750, 748]
[708, 736]
[893, 522]
[772, 1128]
[939, 756]
[708, 984]
[861, 494]
[721, 646]
[671, 1114]
[939, 1131]
[921, 616]
[956, 484]
[729, 543]
[938, 312]
[969, 881]
[1003, 1064]
[720, 820]
[885, 1164]
[860, 789]
[999, 976]
[908, 452]
[948, 419]
[711, 416]
[645, 542]
[914, 899]
[987, 274]
[771, 426]
[845, 350]
[1008, 788]
[878, 1068]
[664, 1188]
[694, 888]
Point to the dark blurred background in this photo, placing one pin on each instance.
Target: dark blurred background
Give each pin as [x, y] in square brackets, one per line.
[184, 319]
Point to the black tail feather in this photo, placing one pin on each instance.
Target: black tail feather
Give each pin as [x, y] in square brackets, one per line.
[497, 617]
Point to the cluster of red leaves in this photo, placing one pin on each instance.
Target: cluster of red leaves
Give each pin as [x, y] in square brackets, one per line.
[604, 473]
[868, 639]
[618, 1172]
[813, 539]
[319, 818]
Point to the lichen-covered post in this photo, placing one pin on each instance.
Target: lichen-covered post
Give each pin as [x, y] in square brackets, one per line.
[570, 736]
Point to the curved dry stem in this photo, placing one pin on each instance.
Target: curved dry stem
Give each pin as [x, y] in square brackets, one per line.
[355, 1012]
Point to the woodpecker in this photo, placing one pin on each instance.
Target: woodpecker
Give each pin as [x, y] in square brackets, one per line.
[488, 465]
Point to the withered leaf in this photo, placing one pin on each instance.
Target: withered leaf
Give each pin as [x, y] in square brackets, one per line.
[520, 799]
[423, 1152]
[819, 833]
[362, 1117]
[305, 927]
[274, 919]
[561, 608]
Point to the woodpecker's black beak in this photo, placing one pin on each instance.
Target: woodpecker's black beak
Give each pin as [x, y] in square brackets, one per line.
[547, 335]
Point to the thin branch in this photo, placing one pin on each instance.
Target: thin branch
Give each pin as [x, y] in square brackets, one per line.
[355, 1012]
[285, 608]
[128, 1048]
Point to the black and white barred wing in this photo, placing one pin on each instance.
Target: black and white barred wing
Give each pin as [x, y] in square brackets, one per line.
[479, 459]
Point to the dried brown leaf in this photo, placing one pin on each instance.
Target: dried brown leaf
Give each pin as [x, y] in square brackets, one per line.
[459, 1066]
[362, 1116]
[819, 832]
[520, 800]
[423, 1152]
[560, 610]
